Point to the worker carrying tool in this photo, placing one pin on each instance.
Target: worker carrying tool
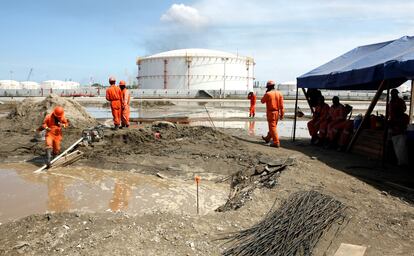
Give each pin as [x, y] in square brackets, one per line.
[53, 124]
[113, 95]
[274, 110]
[125, 100]
[252, 110]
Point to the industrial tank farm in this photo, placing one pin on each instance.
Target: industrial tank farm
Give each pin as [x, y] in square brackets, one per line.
[196, 69]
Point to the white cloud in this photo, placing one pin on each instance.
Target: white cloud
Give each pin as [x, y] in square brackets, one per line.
[286, 38]
[184, 15]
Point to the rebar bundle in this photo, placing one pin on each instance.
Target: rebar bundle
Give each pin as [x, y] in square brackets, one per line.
[292, 229]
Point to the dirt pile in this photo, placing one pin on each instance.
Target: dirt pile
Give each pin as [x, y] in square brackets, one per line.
[29, 114]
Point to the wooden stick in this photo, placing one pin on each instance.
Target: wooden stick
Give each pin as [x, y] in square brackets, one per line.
[367, 114]
[59, 156]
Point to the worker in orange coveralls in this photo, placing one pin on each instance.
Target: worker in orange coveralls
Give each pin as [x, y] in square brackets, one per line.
[274, 110]
[320, 117]
[125, 100]
[252, 110]
[53, 124]
[113, 94]
[398, 120]
[337, 116]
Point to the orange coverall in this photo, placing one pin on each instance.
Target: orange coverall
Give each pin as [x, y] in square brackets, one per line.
[319, 119]
[274, 110]
[337, 116]
[252, 110]
[398, 120]
[113, 94]
[54, 133]
[125, 100]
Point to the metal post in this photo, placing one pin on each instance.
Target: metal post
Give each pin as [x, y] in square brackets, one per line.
[385, 137]
[296, 114]
[412, 102]
[367, 114]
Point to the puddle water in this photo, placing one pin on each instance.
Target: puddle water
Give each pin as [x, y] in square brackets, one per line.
[89, 190]
[259, 128]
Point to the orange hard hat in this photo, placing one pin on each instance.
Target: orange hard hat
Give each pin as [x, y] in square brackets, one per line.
[122, 82]
[270, 83]
[112, 79]
[58, 112]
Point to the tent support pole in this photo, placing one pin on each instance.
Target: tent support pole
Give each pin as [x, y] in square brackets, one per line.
[307, 99]
[296, 114]
[367, 114]
[385, 138]
[412, 102]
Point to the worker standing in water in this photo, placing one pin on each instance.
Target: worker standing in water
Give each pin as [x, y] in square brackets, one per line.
[125, 100]
[252, 110]
[53, 124]
[274, 111]
[113, 95]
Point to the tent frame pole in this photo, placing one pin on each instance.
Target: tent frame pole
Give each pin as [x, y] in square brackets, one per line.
[385, 138]
[367, 114]
[296, 114]
[412, 102]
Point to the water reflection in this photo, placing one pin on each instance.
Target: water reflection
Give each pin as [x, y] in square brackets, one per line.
[88, 189]
[121, 196]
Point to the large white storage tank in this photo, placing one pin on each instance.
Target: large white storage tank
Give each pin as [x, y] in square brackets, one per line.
[30, 85]
[196, 69]
[10, 84]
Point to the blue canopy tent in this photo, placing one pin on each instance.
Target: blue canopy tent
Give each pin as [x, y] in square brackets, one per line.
[370, 67]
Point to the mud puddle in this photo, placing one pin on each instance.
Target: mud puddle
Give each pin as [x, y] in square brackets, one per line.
[259, 128]
[93, 190]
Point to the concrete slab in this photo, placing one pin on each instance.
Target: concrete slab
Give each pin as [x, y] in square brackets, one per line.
[350, 250]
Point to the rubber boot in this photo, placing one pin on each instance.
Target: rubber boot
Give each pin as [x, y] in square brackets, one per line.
[48, 157]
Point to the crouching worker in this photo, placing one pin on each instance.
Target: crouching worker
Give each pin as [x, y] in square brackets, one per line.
[53, 124]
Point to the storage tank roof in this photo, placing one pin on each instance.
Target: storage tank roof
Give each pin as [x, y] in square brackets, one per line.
[195, 52]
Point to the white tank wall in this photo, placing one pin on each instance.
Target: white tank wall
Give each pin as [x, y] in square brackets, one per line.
[205, 73]
[10, 84]
[59, 85]
[29, 85]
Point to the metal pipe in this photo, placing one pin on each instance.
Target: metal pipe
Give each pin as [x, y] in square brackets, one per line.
[296, 114]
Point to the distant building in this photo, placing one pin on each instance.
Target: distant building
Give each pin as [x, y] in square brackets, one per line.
[198, 69]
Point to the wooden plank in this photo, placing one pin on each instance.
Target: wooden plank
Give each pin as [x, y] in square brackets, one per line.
[59, 156]
[367, 114]
[68, 159]
[350, 250]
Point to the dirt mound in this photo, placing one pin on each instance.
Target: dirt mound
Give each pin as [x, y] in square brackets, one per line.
[29, 114]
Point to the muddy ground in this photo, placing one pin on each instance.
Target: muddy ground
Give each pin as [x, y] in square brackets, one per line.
[380, 216]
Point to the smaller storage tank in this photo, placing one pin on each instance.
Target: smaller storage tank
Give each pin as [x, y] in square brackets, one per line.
[30, 85]
[10, 84]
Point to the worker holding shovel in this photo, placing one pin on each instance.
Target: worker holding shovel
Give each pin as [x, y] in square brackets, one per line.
[53, 124]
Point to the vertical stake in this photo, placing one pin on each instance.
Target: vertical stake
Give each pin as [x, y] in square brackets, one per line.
[197, 180]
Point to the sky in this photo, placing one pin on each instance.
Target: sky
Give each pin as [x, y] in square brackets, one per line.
[90, 40]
